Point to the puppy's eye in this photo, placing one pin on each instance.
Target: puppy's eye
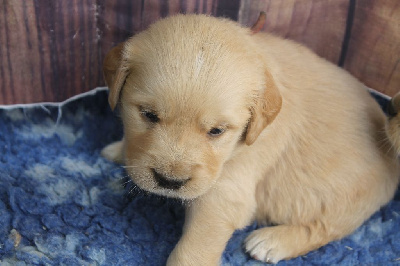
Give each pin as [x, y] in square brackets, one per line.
[214, 132]
[150, 116]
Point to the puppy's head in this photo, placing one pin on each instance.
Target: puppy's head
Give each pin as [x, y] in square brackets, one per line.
[191, 89]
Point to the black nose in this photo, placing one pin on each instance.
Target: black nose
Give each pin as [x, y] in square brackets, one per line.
[166, 182]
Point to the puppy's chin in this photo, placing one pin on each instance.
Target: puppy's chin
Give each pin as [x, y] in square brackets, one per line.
[190, 190]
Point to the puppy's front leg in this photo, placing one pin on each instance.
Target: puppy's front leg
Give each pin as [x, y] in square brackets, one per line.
[114, 152]
[204, 238]
[210, 222]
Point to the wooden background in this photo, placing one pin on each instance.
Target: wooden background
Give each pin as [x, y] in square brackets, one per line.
[51, 50]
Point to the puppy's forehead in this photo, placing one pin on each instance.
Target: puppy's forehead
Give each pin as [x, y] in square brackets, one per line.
[192, 58]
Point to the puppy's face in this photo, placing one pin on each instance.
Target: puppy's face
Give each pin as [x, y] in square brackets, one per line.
[176, 146]
[187, 100]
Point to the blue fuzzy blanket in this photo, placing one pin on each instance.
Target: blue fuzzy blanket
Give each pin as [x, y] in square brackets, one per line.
[61, 203]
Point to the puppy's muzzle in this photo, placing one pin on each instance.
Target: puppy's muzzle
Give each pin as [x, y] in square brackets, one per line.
[168, 183]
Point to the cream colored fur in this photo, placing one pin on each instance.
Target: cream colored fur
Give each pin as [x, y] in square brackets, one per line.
[393, 125]
[304, 145]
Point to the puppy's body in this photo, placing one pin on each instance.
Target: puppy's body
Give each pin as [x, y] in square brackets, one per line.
[303, 144]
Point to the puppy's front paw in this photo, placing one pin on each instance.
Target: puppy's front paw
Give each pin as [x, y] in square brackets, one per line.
[114, 152]
[265, 245]
[185, 254]
[272, 244]
[173, 260]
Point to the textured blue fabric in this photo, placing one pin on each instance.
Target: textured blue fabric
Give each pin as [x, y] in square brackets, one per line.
[61, 203]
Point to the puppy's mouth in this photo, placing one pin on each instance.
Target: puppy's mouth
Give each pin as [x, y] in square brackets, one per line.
[167, 182]
[185, 187]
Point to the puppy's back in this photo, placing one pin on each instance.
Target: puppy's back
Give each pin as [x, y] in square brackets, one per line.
[332, 128]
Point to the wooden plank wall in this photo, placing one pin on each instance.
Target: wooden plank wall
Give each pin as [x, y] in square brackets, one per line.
[318, 24]
[374, 48]
[51, 50]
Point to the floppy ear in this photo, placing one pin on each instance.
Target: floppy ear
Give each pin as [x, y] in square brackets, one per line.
[114, 73]
[266, 108]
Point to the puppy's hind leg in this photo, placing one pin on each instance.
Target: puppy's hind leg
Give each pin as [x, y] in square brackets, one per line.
[272, 244]
[114, 152]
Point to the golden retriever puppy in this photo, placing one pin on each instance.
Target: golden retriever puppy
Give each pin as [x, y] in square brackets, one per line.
[248, 127]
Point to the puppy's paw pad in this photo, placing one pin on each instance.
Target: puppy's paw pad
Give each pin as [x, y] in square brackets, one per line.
[264, 246]
[113, 152]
